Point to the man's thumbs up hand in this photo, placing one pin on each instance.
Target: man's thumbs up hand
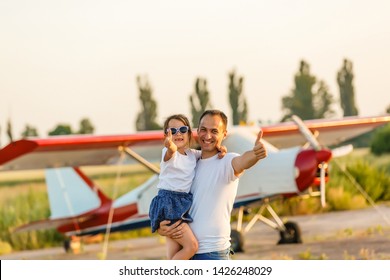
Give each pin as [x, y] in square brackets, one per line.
[258, 149]
[259, 136]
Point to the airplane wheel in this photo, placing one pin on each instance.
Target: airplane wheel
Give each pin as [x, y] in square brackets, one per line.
[291, 235]
[67, 245]
[237, 241]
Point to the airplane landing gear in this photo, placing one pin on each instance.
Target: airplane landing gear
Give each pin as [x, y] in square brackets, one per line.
[67, 245]
[289, 231]
[72, 245]
[291, 234]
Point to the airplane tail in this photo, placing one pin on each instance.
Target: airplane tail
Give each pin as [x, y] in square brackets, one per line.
[72, 193]
[73, 197]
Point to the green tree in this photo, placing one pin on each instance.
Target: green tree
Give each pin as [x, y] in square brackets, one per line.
[199, 100]
[346, 88]
[237, 99]
[86, 127]
[61, 129]
[29, 131]
[309, 99]
[388, 109]
[9, 131]
[146, 119]
[322, 101]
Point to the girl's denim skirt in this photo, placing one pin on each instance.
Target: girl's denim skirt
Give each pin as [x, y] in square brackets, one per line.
[169, 205]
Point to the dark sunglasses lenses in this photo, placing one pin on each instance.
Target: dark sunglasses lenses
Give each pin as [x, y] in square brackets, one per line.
[182, 129]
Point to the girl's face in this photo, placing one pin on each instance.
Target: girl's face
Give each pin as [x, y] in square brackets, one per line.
[181, 140]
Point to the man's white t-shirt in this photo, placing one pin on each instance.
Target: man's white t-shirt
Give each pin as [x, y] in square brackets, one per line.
[178, 172]
[214, 190]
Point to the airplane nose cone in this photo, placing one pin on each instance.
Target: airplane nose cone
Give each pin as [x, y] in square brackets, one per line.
[323, 155]
[306, 167]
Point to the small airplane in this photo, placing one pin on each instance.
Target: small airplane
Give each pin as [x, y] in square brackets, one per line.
[296, 163]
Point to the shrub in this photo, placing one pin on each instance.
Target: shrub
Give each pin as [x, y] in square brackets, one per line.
[5, 248]
[375, 181]
[339, 199]
[380, 143]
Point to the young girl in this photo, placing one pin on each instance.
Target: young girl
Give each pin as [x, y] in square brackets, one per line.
[174, 198]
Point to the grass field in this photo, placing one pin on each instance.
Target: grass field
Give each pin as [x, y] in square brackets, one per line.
[23, 199]
[15, 183]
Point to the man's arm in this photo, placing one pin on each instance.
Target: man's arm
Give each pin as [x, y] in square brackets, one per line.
[249, 158]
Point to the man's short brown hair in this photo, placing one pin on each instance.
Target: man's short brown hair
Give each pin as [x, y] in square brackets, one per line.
[215, 112]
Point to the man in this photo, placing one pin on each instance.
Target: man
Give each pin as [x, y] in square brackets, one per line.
[214, 189]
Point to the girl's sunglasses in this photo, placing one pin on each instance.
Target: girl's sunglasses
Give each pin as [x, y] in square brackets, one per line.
[182, 130]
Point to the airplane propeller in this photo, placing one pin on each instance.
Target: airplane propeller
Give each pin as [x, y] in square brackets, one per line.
[322, 154]
[306, 132]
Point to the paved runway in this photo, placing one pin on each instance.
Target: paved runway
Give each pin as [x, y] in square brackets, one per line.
[358, 234]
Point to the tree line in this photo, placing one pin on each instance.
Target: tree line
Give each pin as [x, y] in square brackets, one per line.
[309, 98]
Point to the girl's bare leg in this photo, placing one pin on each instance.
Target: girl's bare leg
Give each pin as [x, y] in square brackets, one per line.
[172, 247]
[188, 243]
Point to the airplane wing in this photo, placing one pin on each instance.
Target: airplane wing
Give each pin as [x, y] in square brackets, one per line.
[331, 131]
[77, 150]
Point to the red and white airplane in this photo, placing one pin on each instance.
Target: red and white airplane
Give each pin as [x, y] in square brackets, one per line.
[295, 160]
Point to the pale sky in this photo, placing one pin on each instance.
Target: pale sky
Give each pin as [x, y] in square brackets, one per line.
[63, 60]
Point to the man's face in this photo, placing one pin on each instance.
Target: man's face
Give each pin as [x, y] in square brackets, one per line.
[211, 132]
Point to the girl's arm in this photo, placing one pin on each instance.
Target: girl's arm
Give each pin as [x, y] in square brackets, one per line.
[222, 151]
[171, 147]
